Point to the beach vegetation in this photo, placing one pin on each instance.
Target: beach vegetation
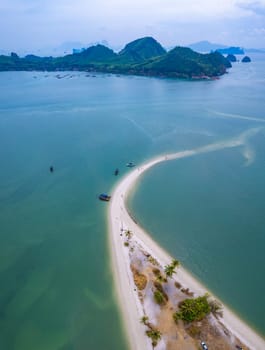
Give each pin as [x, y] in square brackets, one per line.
[159, 287]
[152, 260]
[160, 278]
[194, 309]
[159, 298]
[171, 268]
[175, 263]
[160, 295]
[155, 336]
[178, 285]
[216, 308]
[128, 234]
[144, 319]
[187, 292]
[140, 279]
[126, 244]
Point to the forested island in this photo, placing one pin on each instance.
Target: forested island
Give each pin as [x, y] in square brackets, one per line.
[143, 56]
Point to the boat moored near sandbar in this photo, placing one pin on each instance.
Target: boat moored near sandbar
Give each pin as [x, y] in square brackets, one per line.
[104, 197]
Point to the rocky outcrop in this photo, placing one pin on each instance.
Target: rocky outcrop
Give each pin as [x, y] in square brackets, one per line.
[246, 59]
[231, 58]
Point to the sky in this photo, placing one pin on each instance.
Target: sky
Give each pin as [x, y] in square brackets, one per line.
[38, 25]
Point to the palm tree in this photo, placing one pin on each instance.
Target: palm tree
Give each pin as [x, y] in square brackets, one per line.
[128, 234]
[155, 335]
[216, 308]
[144, 319]
[169, 270]
[175, 263]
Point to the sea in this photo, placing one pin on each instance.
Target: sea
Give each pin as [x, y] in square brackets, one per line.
[56, 283]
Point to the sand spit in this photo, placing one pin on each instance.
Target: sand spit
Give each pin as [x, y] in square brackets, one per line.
[133, 253]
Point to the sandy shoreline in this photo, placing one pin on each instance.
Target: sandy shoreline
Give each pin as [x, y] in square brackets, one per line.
[119, 220]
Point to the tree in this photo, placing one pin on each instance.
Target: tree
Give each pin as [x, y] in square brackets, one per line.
[159, 297]
[155, 335]
[194, 309]
[128, 234]
[171, 268]
[144, 319]
[216, 308]
[175, 263]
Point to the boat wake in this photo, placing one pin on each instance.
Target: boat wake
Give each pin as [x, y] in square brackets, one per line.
[242, 140]
[237, 116]
[249, 154]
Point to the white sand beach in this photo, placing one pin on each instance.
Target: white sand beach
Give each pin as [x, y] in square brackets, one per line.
[120, 219]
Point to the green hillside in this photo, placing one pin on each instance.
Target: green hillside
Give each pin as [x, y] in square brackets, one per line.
[94, 55]
[184, 62]
[143, 56]
[141, 50]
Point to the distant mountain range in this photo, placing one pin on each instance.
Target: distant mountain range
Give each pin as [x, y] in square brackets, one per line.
[206, 46]
[255, 50]
[143, 56]
[232, 50]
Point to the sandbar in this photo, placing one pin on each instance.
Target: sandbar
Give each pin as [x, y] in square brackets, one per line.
[120, 219]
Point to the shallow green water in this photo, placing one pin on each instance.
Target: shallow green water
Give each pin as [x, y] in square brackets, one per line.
[56, 284]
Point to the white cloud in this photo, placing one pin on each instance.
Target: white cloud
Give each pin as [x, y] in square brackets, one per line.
[152, 10]
[46, 22]
[256, 7]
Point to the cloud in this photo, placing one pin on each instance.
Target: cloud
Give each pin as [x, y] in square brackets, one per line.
[149, 9]
[47, 22]
[256, 7]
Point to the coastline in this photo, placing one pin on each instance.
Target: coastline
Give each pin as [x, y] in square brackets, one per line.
[120, 219]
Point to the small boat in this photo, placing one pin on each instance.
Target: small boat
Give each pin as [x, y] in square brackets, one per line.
[116, 172]
[130, 165]
[104, 197]
[51, 169]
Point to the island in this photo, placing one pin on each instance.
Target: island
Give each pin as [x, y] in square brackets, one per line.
[246, 59]
[144, 56]
[233, 50]
[231, 58]
[162, 304]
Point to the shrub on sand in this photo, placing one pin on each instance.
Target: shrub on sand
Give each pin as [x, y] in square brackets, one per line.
[159, 298]
[155, 336]
[194, 309]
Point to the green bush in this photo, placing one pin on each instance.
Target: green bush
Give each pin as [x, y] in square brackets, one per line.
[194, 309]
[171, 268]
[155, 335]
[160, 288]
[159, 298]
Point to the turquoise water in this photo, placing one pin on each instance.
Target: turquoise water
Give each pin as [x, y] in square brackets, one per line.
[208, 210]
[56, 285]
